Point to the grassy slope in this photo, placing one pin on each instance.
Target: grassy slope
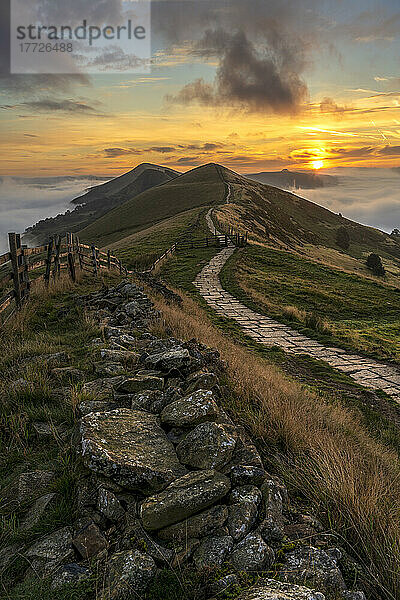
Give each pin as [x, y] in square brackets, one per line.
[200, 187]
[360, 314]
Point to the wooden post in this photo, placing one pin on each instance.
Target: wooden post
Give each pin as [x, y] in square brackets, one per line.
[226, 240]
[109, 260]
[56, 268]
[48, 261]
[120, 266]
[14, 244]
[71, 266]
[94, 257]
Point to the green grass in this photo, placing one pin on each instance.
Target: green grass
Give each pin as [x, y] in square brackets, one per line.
[201, 187]
[357, 314]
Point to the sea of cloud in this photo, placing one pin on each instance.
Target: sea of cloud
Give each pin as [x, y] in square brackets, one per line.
[24, 201]
[369, 196]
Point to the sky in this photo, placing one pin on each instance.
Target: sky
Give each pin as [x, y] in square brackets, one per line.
[255, 85]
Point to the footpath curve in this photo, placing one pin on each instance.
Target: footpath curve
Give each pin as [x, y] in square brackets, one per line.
[264, 330]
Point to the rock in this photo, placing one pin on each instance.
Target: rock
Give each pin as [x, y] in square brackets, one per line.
[108, 369]
[90, 541]
[198, 526]
[172, 359]
[119, 355]
[245, 493]
[272, 526]
[102, 388]
[20, 385]
[246, 475]
[129, 575]
[184, 497]
[94, 406]
[224, 584]
[246, 454]
[129, 447]
[184, 552]
[315, 567]
[150, 400]
[201, 381]
[48, 553]
[127, 340]
[68, 374]
[58, 359]
[8, 554]
[270, 589]
[109, 505]
[212, 552]
[241, 518]
[133, 309]
[135, 535]
[208, 446]
[27, 488]
[191, 410]
[353, 596]
[34, 515]
[70, 574]
[140, 383]
[252, 554]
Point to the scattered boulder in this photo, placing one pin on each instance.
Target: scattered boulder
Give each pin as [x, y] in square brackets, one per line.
[89, 541]
[49, 552]
[184, 497]
[129, 575]
[71, 573]
[198, 526]
[252, 554]
[208, 446]
[314, 566]
[129, 447]
[191, 410]
[109, 505]
[212, 552]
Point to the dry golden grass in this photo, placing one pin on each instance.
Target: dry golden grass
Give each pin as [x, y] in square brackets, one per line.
[350, 477]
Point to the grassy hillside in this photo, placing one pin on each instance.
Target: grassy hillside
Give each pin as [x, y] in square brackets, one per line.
[277, 218]
[200, 187]
[339, 308]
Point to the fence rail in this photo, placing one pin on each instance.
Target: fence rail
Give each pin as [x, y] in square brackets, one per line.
[28, 266]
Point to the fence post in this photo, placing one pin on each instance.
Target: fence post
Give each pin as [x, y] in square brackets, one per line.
[94, 256]
[15, 244]
[120, 266]
[71, 266]
[226, 240]
[48, 261]
[56, 268]
[109, 260]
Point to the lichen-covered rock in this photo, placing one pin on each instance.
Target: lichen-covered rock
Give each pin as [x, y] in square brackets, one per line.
[246, 475]
[49, 552]
[89, 541]
[135, 536]
[191, 410]
[201, 381]
[208, 446]
[109, 505]
[131, 448]
[133, 309]
[171, 359]
[212, 552]
[241, 518]
[129, 575]
[151, 400]
[140, 383]
[272, 526]
[353, 596]
[26, 488]
[88, 406]
[198, 526]
[68, 374]
[269, 589]
[314, 566]
[70, 574]
[224, 584]
[36, 512]
[245, 493]
[102, 389]
[183, 498]
[252, 554]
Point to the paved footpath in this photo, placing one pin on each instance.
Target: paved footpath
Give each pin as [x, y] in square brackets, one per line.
[264, 330]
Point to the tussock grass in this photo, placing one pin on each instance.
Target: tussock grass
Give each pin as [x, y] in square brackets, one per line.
[350, 478]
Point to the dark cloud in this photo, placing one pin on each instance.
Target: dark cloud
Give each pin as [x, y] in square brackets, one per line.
[258, 80]
[115, 152]
[201, 148]
[328, 105]
[22, 85]
[390, 150]
[66, 106]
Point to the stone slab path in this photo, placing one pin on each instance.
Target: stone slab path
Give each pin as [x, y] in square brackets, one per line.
[264, 330]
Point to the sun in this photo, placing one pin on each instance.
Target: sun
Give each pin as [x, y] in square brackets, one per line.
[317, 164]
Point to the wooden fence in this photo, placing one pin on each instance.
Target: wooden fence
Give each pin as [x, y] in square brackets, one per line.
[22, 268]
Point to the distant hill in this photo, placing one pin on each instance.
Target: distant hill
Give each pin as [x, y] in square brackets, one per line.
[199, 187]
[293, 179]
[99, 200]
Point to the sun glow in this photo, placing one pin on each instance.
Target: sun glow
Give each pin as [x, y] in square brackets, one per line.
[317, 164]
